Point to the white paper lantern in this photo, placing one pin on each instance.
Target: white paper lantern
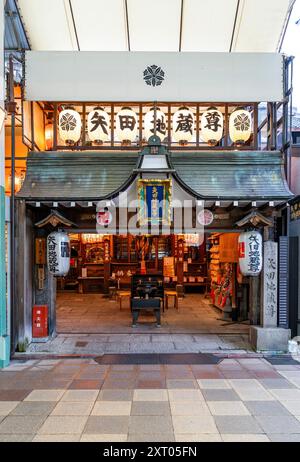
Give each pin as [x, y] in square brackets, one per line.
[161, 126]
[98, 125]
[126, 125]
[212, 126]
[183, 125]
[250, 253]
[69, 125]
[58, 253]
[240, 126]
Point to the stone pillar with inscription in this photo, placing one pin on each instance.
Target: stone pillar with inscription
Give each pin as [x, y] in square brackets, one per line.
[269, 337]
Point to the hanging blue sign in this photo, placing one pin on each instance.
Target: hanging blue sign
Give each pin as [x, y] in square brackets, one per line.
[154, 201]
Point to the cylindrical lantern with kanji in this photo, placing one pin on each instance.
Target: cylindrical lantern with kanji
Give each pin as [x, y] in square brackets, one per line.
[212, 126]
[155, 124]
[58, 253]
[98, 126]
[126, 125]
[250, 253]
[183, 125]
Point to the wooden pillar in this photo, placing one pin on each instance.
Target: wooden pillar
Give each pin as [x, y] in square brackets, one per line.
[22, 309]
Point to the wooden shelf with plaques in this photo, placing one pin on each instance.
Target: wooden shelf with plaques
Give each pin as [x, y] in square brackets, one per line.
[121, 273]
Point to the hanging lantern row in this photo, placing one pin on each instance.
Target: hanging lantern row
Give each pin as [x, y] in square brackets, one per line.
[212, 125]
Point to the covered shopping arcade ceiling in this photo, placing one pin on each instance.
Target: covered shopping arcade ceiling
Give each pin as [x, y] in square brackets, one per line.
[156, 25]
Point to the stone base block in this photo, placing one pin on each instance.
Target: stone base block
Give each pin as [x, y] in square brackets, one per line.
[269, 338]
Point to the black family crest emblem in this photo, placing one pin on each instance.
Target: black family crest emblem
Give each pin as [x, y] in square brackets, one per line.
[154, 75]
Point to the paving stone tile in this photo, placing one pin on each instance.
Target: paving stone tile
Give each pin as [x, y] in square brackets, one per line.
[239, 375]
[123, 367]
[189, 408]
[237, 424]
[18, 438]
[197, 438]
[67, 408]
[295, 382]
[115, 395]
[31, 408]
[292, 406]
[254, 394]
[277, 383]
[245, 384]
[21, 424]
[194, 424]
[173, 383]
[111, 438]
[121, 375]
[45, 395]
[111, 408]
[266, 408]
[286, 394]
[118, 384]
[151, 437]
[292, 374]
[266, 374]
[107, 425]
[148, 424]
[80, 395]
[150, 395]
[185, 395]
[56, 438]
[55, 425]
[248, 438]
[208, 374]
[284, 438]
[154, 384]
[151, 367]
[214, 384]
[86, 384]
[220, 395]
[227, 408]
[150, 408]
[286, 424]
[13, 395]
[6, 407]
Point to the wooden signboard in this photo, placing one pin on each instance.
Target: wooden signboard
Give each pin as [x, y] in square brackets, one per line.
[169, 266]
[228, 250]
[40, 251]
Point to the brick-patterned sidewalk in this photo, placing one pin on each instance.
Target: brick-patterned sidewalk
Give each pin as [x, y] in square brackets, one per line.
[79, 400]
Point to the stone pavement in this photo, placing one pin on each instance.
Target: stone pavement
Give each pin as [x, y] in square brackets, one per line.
[98, 344]
[96, 314]
[239, 399]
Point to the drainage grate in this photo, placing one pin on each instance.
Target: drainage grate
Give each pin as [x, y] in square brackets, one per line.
[81, 344]
[182, 358]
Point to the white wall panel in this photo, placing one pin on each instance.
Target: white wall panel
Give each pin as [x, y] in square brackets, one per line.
[118, 76]
[154, 24]
[100, 25]
[207, 25]
[48, 24]
[260, 24]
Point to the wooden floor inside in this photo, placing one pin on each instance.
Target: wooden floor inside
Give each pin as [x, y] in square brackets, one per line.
[94, 313]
